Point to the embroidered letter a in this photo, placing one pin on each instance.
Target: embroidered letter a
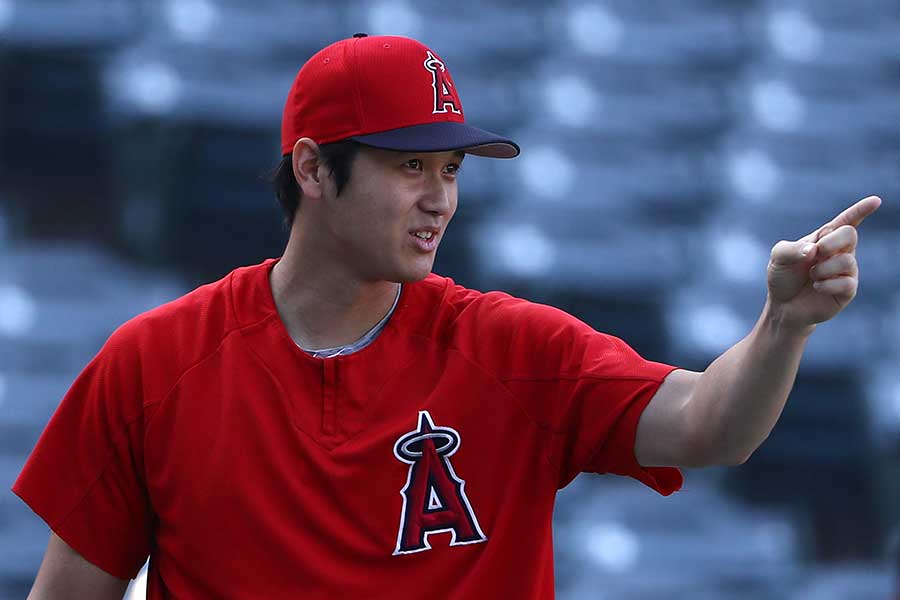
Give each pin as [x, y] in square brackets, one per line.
[434, 498]
[445, 97]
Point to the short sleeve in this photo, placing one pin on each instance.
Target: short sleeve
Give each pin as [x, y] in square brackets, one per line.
[84, 477]
[589, 390]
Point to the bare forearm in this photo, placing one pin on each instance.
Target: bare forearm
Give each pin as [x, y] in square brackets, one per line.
[741, 395]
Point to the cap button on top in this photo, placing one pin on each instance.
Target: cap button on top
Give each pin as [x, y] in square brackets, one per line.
[360, 35]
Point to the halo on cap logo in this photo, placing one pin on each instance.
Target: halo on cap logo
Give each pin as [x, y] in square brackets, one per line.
[444, 93]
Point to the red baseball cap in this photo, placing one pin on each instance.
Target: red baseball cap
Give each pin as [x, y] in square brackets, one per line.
[389, 92]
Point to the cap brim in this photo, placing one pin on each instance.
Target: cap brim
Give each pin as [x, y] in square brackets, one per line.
[442, 137]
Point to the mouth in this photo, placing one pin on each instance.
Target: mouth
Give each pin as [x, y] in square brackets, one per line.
[425, 240]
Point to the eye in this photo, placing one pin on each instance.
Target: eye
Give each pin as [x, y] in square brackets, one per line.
[414, 163]
[454, 168]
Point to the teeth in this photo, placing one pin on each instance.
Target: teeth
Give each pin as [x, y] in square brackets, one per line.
[425, 235]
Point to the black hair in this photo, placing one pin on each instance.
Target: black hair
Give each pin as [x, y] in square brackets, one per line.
[339, 158]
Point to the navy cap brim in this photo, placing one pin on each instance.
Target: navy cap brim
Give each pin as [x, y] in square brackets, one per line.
[442, 137]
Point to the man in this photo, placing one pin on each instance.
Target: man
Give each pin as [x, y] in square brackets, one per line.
[343, 421]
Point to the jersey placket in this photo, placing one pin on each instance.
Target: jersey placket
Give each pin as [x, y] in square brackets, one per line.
[329, 398]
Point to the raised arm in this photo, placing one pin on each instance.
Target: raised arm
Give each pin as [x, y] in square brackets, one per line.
[722, 415]
[64, 574]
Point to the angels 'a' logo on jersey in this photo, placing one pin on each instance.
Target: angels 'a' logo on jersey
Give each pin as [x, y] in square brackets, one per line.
[434, 497]
[445, 96]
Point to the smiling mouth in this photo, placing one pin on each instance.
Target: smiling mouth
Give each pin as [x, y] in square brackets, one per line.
[425, 244]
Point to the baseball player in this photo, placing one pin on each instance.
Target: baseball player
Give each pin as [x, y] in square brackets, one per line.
[342, 422]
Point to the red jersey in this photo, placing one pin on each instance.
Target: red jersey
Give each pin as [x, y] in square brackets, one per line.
[424, 465]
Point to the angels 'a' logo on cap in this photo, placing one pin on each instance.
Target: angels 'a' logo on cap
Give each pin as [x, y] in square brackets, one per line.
[445, 97]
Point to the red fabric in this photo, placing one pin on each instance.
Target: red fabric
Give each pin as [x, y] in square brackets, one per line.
[203, 436]
[368, 85]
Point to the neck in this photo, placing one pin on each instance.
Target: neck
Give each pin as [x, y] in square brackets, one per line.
[322, 307]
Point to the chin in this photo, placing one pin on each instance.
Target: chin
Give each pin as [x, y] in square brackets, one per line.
[413, 278]
[412, 275]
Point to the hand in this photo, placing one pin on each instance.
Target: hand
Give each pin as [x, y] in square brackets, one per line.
[805, 289]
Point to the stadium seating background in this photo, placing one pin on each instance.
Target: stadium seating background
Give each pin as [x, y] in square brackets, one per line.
[667, 145]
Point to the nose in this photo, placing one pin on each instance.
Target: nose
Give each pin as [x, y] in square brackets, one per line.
[439, 197]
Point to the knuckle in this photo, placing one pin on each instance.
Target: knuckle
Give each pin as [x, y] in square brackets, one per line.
[842, 263]
[838, 262]
[850, 268]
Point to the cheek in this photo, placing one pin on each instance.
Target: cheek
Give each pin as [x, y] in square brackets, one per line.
[374, 228]
[452, 191]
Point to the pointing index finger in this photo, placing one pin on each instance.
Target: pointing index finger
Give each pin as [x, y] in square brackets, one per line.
[854, 215]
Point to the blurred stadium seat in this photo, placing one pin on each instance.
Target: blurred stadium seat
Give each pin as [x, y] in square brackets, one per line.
[666, 147]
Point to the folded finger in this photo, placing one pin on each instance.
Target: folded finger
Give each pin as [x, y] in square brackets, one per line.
[838, 286]
[840, 264]
[843, 238]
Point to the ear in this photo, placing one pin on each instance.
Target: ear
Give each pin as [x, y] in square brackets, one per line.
[308, 169]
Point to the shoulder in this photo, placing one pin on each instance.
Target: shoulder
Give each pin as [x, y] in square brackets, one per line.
[155, 347]
[189, 322]
[506, 333]
[501, 313]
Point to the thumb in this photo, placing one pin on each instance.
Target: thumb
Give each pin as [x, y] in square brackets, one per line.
[785, 253]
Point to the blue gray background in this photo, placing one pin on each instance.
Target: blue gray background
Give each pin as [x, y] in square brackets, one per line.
[667, 145]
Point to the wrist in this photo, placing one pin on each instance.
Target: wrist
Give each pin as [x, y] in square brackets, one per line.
[778, 322]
